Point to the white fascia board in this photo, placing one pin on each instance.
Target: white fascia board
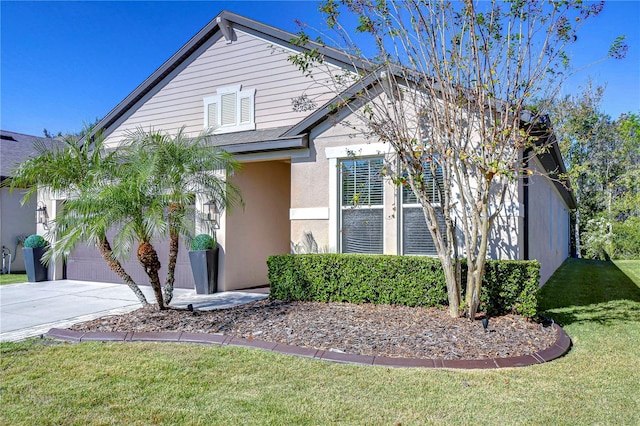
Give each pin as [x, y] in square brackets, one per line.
[309, 213]
[360, 150]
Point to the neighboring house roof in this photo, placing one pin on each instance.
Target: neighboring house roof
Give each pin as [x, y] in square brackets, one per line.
[16, 148]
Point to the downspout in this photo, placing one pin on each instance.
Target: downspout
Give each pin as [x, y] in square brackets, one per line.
[525, 201]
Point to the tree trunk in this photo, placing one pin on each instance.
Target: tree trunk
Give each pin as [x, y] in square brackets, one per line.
[174, 246]
[148, 258]
[453, 286]
[474, 286]
[476, 263]
[107, 254]
[452, 240]
[577, 226]
[609, 202]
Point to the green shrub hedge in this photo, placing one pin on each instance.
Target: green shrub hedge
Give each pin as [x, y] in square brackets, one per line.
[509, 286]
[203, 242]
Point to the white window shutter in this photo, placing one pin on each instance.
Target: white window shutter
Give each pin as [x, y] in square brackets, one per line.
[228, 101]
[245, 110]
[230, 110]
[212, 114]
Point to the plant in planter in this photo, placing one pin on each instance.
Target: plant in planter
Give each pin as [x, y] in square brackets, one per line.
[33, 249]
[204, 263]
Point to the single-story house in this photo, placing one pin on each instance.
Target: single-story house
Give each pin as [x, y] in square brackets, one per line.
[17, 221]
[298, 162]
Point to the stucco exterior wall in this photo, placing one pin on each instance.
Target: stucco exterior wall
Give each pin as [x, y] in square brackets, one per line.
[548, 218]
[311, 209]
[506, 238]
[248, 236]
[315, 193]
[317, 210]
[15, 221]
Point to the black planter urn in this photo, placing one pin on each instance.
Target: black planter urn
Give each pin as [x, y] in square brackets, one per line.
[204, 265]
[36, 271]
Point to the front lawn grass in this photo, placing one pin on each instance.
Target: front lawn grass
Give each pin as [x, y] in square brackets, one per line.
[631, 268]
[150, 383]
[13, 278]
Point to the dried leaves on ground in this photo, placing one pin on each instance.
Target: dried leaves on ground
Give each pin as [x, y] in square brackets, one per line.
[377, 330]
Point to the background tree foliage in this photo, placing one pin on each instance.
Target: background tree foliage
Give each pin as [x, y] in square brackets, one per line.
[603, 163]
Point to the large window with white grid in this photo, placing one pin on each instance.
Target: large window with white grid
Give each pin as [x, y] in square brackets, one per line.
[361, 205]
[416, 238]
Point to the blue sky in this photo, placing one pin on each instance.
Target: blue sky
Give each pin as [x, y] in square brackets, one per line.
[67, 63]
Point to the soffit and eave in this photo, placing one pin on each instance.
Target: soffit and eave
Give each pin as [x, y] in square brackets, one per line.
[551, 161]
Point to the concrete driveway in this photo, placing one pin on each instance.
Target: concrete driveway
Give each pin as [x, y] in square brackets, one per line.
[31, 309]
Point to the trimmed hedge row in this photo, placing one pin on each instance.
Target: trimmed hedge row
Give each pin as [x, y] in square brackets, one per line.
[509, 286]
[396, 280]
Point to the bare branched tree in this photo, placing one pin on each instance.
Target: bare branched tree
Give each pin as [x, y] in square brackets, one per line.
[449, 85]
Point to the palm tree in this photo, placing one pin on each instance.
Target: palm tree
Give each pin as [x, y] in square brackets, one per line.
[136, 214]
[75, 169]
[174, 169]
[143, 190]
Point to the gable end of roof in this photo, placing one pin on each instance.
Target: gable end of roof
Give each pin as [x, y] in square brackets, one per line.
[221, 26]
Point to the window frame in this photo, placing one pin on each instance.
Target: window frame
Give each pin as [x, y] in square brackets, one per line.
[342, 206]
[238, 125]
[415, 204]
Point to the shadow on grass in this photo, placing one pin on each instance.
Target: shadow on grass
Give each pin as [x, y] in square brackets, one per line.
[590, 291]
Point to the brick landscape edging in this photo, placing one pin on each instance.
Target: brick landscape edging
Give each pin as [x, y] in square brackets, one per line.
[558, 349]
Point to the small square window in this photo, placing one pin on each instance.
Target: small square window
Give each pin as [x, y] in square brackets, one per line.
[230, 110]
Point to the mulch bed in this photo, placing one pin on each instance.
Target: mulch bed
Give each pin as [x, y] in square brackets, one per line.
[375, 330]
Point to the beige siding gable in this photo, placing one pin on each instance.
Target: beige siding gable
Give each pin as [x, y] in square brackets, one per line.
[248, 61]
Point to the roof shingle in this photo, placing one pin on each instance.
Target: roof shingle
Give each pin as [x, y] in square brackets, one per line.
[15, 148]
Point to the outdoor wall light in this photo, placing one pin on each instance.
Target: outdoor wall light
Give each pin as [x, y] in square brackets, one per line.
[213, 214]
[42, 218]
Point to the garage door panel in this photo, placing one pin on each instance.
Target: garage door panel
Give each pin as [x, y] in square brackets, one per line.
[86, 264]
